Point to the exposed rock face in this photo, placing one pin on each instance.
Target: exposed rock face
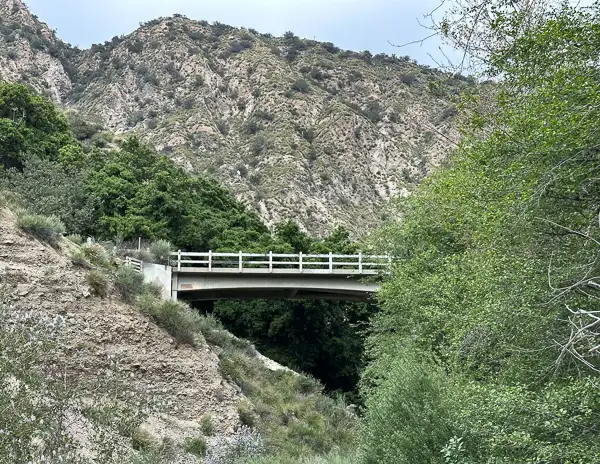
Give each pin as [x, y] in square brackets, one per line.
[297, 128]
[31, 52]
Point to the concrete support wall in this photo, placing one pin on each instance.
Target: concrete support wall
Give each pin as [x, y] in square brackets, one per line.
[159, 275]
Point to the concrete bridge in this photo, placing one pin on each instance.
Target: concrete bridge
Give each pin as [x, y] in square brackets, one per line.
[216, 276]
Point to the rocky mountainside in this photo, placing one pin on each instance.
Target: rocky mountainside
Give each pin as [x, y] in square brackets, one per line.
[298, 128]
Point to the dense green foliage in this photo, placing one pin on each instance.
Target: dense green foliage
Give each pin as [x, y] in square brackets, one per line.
[322, 338]
[499, 271]
[30, 124]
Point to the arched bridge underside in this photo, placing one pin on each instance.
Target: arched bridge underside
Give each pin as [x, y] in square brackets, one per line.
[218, 276]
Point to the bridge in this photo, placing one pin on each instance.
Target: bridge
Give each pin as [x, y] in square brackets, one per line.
[216, 276]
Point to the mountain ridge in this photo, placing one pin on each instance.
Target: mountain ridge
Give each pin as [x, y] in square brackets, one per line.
[296, 128]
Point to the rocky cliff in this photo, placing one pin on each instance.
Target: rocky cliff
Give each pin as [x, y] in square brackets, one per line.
[298, 128]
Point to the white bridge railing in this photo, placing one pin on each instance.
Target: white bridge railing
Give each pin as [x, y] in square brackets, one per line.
[273, 262]
[133, 263]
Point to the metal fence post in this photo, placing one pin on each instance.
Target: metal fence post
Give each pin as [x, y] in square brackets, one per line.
[241, 265]
[300, 261]
[209, 260]
[270, 261]
[179, 261]
[360, 262]
[330, 262]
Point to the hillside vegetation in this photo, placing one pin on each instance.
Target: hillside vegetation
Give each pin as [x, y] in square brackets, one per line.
[188, 374]
[487, 346]
[297, 128]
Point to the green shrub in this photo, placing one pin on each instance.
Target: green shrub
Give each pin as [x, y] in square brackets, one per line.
[215, 334]
[141, 440]
[98, 283]
[48, 229]
[78, 258]
[207, 425]
[143, 255]
[96, 254]
[161, 251]
[196, 446]
[300, 85]
[9, 199]
[408, 419]
[75, 238]
[51, 188]
[129, 283]
[175, 317]
[246, 414]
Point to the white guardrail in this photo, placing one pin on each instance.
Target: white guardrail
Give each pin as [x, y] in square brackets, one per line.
[317, 263]
[134, 263]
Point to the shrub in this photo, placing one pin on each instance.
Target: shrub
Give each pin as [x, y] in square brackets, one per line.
[53, 189]
[223, 127]
[143, 255]
[198, 81]
[300, 85]
[129, 283]
[175, 317]
[448, 113]
[10, 199]
[331, 48]
[142, 441]
[196, 446]
[246, 414]
[408, 79]
[252, 127]
[78, 258]
[161, 251]
[48, 229]
[258, 144]
[75, 238]
[308, 134]
[215, 334]
[207, 425]
[245, 443]
[374, 112]
[98, 283]
[262, 114]
[96, 254]
[407, 419]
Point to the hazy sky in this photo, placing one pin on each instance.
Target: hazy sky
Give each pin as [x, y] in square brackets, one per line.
[352, 24]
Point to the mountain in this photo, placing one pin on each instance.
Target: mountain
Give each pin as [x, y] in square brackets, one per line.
[297, 128]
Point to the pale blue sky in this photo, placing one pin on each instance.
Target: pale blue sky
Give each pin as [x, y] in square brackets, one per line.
[352, 24]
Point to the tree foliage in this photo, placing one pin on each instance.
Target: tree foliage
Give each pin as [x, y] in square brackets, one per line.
[29, 124]
[498, 278]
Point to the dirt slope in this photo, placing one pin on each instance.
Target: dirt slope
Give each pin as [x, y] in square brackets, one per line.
[184, 382]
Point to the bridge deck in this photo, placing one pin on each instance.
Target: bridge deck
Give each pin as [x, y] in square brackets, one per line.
[259, 271]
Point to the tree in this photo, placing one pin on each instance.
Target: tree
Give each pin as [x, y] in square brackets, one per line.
[142, 193]
[498, 253]
[29, 124]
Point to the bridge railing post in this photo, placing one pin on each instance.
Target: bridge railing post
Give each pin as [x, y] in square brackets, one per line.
[300, 261]
[331, 262]
[178, 260]
[241, 262]
[360, 267]
[209, 260]
[270, 261]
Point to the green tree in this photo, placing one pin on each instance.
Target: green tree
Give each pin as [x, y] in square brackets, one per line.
[30, 123]
[499, 260]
